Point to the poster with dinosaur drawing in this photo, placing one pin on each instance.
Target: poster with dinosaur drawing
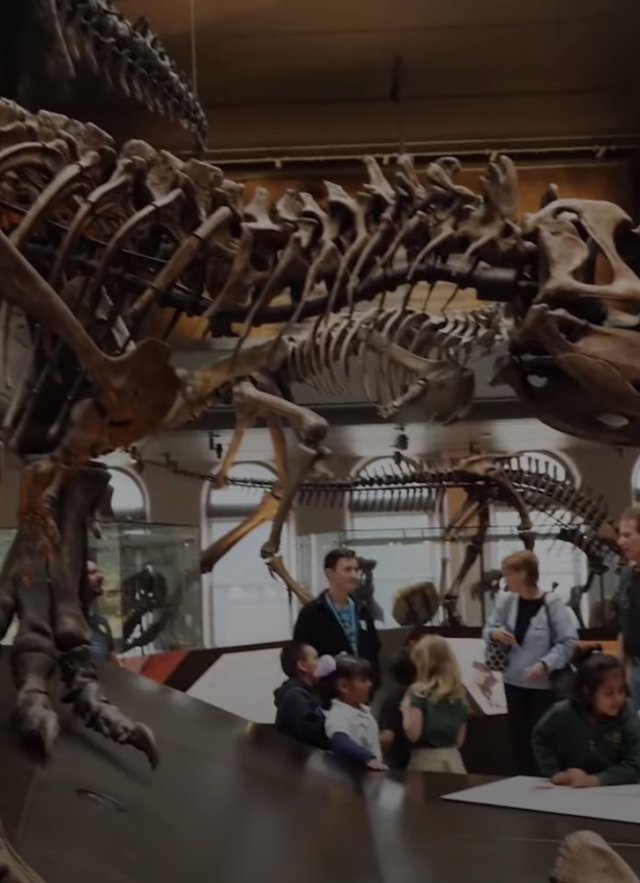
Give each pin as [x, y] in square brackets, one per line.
[484, 686]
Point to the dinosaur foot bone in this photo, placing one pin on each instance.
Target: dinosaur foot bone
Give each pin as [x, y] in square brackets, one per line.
[53, 632]
[584, 857]
[95, 711]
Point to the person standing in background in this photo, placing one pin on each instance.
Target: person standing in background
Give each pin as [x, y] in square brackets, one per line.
[395, 745]
[335, 622]
[102, 645]
[626, 602]
[542, 638]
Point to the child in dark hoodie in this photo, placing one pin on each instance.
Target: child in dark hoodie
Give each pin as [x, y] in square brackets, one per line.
[299, 711]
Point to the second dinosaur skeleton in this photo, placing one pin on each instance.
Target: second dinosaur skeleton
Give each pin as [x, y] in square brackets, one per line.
[509, 481]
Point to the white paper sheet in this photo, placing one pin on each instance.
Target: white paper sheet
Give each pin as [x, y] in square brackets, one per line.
[615, 804]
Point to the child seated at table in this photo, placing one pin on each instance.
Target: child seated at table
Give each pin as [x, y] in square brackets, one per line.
[299, 711]
[350, 727]
[593, 738]
[434, 710]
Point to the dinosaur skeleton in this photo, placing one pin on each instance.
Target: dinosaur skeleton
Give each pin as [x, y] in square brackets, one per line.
[47, 44]
[515, 481]
[89, 241]
[93, 245]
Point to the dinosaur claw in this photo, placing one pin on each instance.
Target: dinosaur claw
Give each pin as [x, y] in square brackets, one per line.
[37, 722]
[143, 739]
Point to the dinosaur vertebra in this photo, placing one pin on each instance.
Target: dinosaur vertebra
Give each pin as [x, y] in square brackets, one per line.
[43, 43]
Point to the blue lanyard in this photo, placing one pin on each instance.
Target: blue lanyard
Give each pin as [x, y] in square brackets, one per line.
[353, 638]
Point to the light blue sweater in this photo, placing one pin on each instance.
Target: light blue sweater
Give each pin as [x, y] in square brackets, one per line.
[554, 647]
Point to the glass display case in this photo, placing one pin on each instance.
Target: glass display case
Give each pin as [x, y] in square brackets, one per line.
[152, 592]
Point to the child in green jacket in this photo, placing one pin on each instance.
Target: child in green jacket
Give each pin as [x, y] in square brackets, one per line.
[593, 738]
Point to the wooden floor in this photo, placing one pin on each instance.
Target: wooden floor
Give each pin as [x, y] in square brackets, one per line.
[233, 803]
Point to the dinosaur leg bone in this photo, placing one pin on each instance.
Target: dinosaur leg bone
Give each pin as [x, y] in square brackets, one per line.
[461, 518]
[275, 563]
[310, 430]
[472, 553]
[265, 511]
[244, 420]
[268, 506]
[33, 654]
[276, 566]
[67, 574]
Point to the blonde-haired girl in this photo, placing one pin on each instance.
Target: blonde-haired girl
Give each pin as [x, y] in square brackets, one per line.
[434, 710]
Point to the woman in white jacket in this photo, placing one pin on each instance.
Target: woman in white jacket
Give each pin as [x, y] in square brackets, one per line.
[542, 638]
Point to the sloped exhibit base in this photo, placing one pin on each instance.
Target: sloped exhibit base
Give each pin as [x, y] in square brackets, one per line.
[231, 802]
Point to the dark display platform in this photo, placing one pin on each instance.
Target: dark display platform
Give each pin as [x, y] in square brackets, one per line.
[232, 802]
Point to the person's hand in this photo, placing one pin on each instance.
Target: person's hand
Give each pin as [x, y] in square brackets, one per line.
[536, 672]
[405, 705]
[561, 779]
[376, 766]
[502, 636]
[580, 779]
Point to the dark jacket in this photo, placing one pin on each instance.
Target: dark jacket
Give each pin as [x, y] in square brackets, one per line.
[390, 716]
[299, 714]
[608, 748]
[317, 625]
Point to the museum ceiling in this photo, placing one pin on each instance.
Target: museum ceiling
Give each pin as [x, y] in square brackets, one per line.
[280, 76]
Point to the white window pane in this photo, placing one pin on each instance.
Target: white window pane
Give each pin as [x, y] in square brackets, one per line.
[128, 500]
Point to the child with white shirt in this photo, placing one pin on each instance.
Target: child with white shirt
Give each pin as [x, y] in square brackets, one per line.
[350, 727]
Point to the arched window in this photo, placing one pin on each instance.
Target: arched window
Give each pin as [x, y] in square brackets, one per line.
[635, 483]
[399, 529]
[562, 566]
[246, 605]
[129, 500]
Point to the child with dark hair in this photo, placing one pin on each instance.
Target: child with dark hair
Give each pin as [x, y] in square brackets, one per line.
[350, 727]
[594, 738]
[299, 712]
[395, 745]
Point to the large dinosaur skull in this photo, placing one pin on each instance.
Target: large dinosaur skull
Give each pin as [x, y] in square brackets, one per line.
[575, 350]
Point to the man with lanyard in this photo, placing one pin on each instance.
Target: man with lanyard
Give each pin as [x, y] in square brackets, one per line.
[626, 601]
[335, 622]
